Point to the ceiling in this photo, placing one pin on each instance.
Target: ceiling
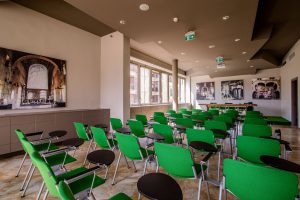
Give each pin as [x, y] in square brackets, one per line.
[266, 28]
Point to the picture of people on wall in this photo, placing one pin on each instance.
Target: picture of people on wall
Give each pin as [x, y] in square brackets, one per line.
[232, 90]
[205, 91]
[266, 88]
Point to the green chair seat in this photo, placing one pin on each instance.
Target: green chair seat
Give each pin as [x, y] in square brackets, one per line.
[59, 159]
[120, 196]
[85, 183]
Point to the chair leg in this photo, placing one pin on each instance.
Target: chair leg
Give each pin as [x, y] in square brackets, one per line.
[219, 164]
[225, 192]
[199, 188]
[40, 191]
[46, 195]
[145, 166]
[28, 181]
[207, 190]
[113, 181]
[25, 179]
[106, 172]
[21, 165]
[127, 162]
[88, 151]
[139, 196]
[220, 192]
[134, 166]
[93, 196]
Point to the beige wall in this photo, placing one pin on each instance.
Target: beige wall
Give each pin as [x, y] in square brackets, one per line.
[29, 31]
[290, 71]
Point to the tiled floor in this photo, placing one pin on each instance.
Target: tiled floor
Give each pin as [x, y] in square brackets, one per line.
[126, 178]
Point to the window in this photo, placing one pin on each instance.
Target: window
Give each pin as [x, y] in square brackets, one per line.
[164, 88]
[145, 85]
[181, 90]
[155, 90]
[134, 97]
[170, 89]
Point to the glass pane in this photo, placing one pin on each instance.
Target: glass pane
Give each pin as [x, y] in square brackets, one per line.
[145, 85]
[134, 98]
[170, 89]
[155, 87]
[182, 92]
[164, 88]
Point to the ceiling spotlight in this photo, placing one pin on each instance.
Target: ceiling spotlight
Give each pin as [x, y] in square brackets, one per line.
[175, 19]
[144, 7]
[182, 53]
[159, 42]
[122, 21]
[248, 60]
[211, 46]
[244, 52]
[196, 61]
[226, 17]
[251, 66]
[237, 39]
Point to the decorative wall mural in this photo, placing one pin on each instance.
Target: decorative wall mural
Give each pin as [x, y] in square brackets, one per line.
[266, 88]
[232, 90]
[205, 91]
[31, 81]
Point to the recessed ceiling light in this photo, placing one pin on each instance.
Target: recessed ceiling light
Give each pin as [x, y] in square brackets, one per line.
[251, 66]
[175, 19]
[122, 21]
[211, 46]
[226, 17]
[144, 7]
[244, 52]
[159, 42]
[237, 39]
[196, 61]
[248, 60]
[182, 53]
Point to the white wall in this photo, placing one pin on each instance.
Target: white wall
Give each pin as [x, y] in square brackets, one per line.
[290, 71]
[29, 31]
[268, 107]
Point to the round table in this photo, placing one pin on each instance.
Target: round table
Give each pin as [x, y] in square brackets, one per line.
[101, 157]
[124, 130]
[159, 186]
[73, 142]
[280, 163]
[57, 133]
[155, 136]
[199, 145]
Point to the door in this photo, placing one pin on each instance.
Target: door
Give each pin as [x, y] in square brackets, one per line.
[294, 102]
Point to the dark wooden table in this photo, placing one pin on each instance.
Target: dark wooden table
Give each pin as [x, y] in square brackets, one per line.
[73, 142]
[124, 130]
[280, 163]
[159, 186]
[203, 146]
[155, 136]
[57, 133]
[101, 157]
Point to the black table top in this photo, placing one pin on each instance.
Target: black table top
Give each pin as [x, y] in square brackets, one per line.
[73, 142]
[124, 130]
[104, 126]
[280, 163]
[159, 186]
[180, 126]
[155, 136]
[199, 145]
[279, 140]
[57, 133]
[101, 157]
[220, 132]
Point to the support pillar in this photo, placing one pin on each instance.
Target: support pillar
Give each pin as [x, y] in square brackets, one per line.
[175, 84]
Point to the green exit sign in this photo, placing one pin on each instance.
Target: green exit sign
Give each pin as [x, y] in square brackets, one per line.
[191, 35]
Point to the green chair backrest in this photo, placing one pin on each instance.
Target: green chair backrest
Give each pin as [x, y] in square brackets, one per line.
[213, 111]
[186, 112]
[170, 111]
[257, 121]
[161, 114]
[176, 115]
[100, 138]
[200, 135]
[257, 130]
[185, 122]
[253, 112]
[141, 118]
[20, 134]
[251, 148]
[196, 111]
[64, 191]
[211, 124]
[116, 123]
[206, 114]
[223, 118]
[165, 131]
[199, 117]
[175, 160]
[160, 119]
[182, 109]
[252, 182]
[81, 131]
[46, 172]
[137, 128]
[129, 146]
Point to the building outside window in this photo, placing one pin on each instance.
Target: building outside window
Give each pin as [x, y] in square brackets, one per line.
[144, 85]
[134, 97]
[155, 87]
[170, 89]
[164, 88]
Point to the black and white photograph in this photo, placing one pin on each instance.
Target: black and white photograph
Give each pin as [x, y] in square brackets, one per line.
[205, 91]
[266, 88]
[232, 90]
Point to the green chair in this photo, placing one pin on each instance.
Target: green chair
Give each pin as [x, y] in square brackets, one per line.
[130, 148]
[83, 134]
[214, 112]
[101, 139]
[116, 123]
[224, 118]
[182, 165]
[198, 120]
[169, 112]
[65, 193]
[176, 115]
[256, 121]
[182, 109]
[142, 118]
[196, 111]
[81, 181]
[252, 182]
[158, 114]
[137, 128]
[160, 119]
[257, 130]
[186, 113]
[167, 132]
[250, 149]
[185, 122]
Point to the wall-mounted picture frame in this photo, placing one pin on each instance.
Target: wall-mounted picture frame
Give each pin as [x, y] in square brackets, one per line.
[232, 90]
[266, 88]
[205, 91]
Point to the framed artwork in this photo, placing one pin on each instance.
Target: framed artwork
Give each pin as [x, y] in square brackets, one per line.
[266, 88]
[205, 91]
[29, 81]
[232, 90]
